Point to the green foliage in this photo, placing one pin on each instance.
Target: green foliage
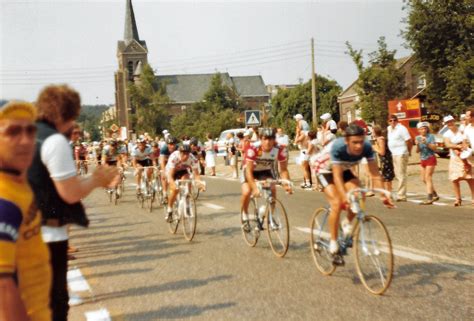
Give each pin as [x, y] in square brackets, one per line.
[441, 35]
[378, 82]
[147, 98]
[215, 113]
[298, 100]
[89, 120]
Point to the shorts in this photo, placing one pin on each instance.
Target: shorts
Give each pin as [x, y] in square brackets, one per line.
[258, 175]
[111, 163]
[326, 179]
[430, 161]
[145, 162]
[304, 157]
[179, 174]
[82, 158]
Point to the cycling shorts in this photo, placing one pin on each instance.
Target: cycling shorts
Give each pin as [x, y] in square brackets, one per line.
[258, 175]
[326, 179]
[145, 162]
[111, 163]
[179, 174]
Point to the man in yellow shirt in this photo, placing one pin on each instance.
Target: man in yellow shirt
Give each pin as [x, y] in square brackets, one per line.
[25, 274]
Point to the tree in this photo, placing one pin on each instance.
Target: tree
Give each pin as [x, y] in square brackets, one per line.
[441, 35]
[378, 82]
[297, 100]
[215, 113]
[90, 120]
[148, 98]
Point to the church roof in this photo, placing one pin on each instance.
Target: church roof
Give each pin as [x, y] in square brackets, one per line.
[192, 87]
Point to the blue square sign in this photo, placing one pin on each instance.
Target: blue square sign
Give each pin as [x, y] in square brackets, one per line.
[252, 118]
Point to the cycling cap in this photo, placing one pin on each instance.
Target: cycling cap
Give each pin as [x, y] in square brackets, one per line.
[171, 140]
[267, 132]
[354, 130]
[18, 110]
[185, 148]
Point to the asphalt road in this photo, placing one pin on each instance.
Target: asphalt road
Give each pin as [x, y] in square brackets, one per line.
[130, 267]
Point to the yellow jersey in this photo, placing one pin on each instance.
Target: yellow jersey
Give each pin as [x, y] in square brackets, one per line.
[22, 250]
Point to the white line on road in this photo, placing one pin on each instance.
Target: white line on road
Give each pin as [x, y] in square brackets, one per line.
[213, 206]
[98, 315]
[76, 281]
[409, 253]
[434, 203]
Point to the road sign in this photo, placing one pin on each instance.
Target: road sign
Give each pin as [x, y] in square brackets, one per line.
[114, 128]
[252, 118]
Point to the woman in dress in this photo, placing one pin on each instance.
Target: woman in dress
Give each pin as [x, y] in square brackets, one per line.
[459, 169]
[385, 157]
[210, 154]
[425, 146]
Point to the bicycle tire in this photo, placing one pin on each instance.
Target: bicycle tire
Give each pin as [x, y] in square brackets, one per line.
[189, 216]
[278, 229]
[195, 191]
[173, 225]
[251, 232]
[373, 254]
[115, 196]
[319, 241]
[110, 196]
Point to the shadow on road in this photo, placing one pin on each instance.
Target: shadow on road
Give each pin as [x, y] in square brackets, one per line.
[176, 312]
[169, 286]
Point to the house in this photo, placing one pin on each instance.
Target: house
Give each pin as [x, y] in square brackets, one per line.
[414, 84]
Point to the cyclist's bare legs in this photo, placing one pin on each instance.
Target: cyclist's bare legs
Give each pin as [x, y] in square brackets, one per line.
[139, 170]
[245, 198]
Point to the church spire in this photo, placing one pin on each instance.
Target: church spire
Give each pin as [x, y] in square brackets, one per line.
[131, 30]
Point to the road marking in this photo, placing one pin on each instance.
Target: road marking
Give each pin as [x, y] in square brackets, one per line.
[76, 282]
[213, 206]
[98, 315]
[434, 203]
[409, 253]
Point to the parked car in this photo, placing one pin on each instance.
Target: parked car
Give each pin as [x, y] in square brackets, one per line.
[222, 140]
[441, 149]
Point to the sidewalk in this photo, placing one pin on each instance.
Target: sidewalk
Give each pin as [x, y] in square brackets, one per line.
[415, 185]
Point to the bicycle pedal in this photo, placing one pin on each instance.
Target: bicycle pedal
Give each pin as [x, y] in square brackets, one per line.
[338, 260]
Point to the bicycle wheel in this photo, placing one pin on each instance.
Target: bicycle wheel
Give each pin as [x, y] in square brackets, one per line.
[189, 216]
[116, 196]
[250, 229]
[278, 229]
[159, 192]
[110, 195]
[173, 225]
[319, 241]
[374, 255]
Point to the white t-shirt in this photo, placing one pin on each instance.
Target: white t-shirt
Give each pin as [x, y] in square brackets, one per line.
[469, 133]
[332, 124]
[454, 138]
[397, 138]
[56, 155]
[283, 140]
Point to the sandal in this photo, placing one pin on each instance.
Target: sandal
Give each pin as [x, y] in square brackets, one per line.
[457, 203]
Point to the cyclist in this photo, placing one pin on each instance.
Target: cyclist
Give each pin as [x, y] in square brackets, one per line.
[333, 167]
[80, 155]
[179, 166]
[260, 164]
[155, 154]
[111, 157]
[141, 157]
[165, 153]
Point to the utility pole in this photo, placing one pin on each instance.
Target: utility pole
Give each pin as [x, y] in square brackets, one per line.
[313, 86]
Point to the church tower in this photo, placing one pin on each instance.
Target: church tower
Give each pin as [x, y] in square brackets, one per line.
[132, 53]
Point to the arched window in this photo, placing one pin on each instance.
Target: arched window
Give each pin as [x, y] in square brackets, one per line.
[130, 70]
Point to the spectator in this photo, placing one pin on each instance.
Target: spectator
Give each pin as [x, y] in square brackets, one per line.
[459, 169]
[282, 139]
[469, 130]
[426, 146]
[57, 189]
[303, 141]
[209, 146]
[328, 123]
[400, 144]
[301, 125]
[232, 153]
[25, 273]
[385, 158]
[342, 125]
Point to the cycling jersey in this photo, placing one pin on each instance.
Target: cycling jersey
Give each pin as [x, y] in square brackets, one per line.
[141, 155]
[22, 250]
[164, 151]
[265, 161]
[175, 162]
[109, 155]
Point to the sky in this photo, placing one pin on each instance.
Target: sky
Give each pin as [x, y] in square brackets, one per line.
[75, 42]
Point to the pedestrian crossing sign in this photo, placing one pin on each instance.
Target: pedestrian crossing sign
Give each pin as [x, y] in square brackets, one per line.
[252, 118]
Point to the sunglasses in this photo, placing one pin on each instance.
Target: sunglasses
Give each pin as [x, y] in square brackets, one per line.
[15, 131]
[392, 120]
